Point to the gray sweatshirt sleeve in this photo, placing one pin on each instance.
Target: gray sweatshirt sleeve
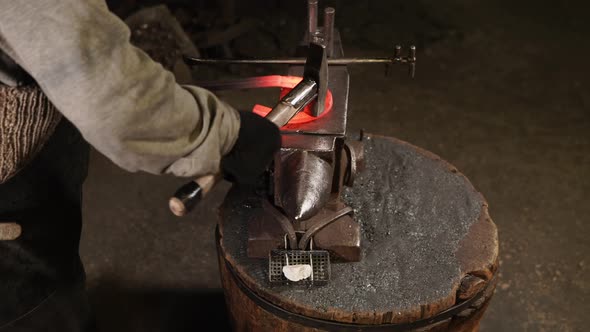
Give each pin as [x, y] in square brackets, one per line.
[124, 104]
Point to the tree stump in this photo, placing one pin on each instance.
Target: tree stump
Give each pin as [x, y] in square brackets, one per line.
[429, 254]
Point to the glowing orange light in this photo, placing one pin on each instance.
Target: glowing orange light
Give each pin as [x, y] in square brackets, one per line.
[287, 83]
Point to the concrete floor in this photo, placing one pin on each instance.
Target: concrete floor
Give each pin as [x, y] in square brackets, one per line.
[501, 92]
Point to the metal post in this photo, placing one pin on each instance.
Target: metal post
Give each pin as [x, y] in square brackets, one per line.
[312, 13]
[412, 61]
[397, 53]
[329, 14]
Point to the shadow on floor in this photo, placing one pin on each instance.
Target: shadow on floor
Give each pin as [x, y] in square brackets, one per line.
[122, 308]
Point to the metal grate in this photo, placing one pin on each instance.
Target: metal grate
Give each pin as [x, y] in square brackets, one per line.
[318, 259]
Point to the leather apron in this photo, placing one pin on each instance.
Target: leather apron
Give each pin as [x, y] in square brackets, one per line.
[44, 163]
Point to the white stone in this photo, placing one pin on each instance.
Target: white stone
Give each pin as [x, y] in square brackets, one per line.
[297, 272]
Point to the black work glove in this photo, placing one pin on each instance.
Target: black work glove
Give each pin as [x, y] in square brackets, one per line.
[257, 142]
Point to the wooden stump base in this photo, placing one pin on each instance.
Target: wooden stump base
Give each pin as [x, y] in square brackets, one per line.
[430, 254]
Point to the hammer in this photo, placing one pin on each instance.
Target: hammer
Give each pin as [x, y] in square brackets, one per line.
[313, 85]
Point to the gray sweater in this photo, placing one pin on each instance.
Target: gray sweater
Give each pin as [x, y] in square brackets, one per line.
[125, 105]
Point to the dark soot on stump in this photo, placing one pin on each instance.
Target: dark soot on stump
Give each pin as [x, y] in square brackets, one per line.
[413, 212]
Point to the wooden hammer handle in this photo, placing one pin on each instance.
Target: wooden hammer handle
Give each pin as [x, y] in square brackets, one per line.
[191, 193]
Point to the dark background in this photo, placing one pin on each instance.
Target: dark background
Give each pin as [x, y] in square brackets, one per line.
[501, 91]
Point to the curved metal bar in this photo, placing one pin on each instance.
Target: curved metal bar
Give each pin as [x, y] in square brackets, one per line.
[321, 224]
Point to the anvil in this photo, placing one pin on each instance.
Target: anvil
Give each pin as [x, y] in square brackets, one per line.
[302, 203]
[314, 164]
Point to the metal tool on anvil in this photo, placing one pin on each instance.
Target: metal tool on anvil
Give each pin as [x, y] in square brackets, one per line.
[301, 223]
[186, 197]
[312, 87]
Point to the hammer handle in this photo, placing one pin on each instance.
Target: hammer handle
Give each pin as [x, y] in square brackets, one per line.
[191, 193]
